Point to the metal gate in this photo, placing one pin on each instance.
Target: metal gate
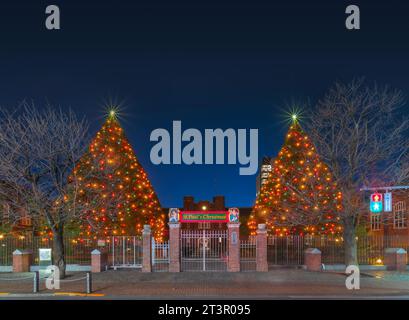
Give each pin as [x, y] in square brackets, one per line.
[204, 250]
[126, 252]
[160, 256]
[248, 255]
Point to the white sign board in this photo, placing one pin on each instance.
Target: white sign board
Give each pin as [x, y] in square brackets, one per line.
[45, 254]
[234, 237]
[387, 201]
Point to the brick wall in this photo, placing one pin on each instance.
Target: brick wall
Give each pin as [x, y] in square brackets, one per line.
[386, 219]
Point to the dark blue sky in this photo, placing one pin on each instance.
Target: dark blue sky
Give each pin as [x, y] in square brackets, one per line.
[228, 64]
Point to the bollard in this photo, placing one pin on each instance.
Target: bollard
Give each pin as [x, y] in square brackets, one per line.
[99, 261]
[89, 282]
[312, 259]
[396, 259]
[21, 260]
[36, 287]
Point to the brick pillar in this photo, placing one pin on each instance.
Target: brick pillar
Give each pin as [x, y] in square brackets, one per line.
[99, 261]
[174, 247]
[261, 249]
[147, 250]
[21, 260]
[233, 262]
[312, 259]
[395, 259]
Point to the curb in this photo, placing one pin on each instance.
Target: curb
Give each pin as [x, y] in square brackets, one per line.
[57, 294]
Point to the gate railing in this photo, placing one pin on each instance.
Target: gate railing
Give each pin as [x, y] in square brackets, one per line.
[206, 250]
[160, 256]
[77, 251]
[248, 255]
[285, 250]
[126, 252]
[203, 250]
[123, 251]
[289, 250]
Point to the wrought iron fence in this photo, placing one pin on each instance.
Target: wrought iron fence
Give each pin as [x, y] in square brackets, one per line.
[203, 250]
[76, 251]
[289, 250]
[248, 255]
[285, 250]
[79, 251]
[208, 251]
[372, 249]
[125, 252]
[160, 256]
[332, 248]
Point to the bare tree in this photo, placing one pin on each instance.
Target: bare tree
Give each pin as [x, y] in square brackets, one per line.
[38, 150]
[360, 132]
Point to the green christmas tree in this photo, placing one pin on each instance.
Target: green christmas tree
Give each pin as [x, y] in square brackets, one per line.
[300, 195]
[114, 193]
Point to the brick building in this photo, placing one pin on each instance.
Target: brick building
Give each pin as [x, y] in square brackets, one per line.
[264, 170]
[217, 204]
[395, 222]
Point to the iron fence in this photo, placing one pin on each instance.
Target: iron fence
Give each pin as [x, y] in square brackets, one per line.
[125, 252]
[206, 250]
[203, 250]
[248, 255]
[372, 249]
[289, 250]
[160, 256]
[285, 250]
[120, 250]
[76, 251]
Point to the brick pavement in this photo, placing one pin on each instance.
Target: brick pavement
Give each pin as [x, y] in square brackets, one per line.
[250, 285]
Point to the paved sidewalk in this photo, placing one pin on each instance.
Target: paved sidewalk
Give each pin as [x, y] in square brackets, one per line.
[277, 284]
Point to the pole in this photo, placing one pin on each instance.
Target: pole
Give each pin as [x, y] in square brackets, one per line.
[204, 251]
[36, 284]
[89, 283]
[153, 250]
[384, 188]
[113, 251]
[134, 251]
[123, 250]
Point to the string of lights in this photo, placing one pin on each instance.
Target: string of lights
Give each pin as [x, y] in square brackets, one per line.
[299, 195]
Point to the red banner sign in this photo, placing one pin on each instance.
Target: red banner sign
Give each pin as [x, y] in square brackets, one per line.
[204, 216]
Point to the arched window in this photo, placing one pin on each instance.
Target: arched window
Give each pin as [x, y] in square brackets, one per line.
[399, 215]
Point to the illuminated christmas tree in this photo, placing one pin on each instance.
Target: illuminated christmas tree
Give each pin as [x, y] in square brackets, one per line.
[300, 195]
[114, 194]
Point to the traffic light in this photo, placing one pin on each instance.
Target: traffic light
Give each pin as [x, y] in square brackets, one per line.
[375, 205]
[376, 197]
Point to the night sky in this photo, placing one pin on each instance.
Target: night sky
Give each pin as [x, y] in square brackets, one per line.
[234, 64]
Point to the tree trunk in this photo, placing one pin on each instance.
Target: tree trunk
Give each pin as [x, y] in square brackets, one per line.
[350, 243]
[58, 252]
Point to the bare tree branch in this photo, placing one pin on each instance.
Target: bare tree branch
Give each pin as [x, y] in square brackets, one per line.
[361, 133]
[39, 149]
